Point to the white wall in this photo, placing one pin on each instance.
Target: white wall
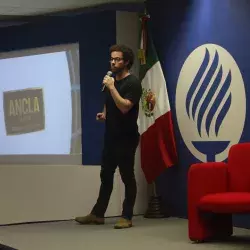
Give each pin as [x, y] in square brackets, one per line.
[41, 193]
[44, 193]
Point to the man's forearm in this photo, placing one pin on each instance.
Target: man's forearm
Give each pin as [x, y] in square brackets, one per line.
[122, 104]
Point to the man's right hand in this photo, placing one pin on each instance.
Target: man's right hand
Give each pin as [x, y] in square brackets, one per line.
[100, 117]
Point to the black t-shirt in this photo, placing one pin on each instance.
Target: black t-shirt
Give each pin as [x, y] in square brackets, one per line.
[118, 125]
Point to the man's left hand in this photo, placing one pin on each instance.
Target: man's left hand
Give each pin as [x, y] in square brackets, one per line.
[109, 82]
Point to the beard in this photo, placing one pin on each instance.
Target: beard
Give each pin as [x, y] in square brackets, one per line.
[117, 70]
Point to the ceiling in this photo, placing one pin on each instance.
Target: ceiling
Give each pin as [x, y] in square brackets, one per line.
[17, 12]
[36, 7]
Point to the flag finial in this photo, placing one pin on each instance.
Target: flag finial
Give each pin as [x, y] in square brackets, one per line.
[143, 43]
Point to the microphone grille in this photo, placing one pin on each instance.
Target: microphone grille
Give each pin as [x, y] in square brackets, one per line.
[109, 73]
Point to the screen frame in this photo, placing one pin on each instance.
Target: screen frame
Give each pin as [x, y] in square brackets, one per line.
[51, 159]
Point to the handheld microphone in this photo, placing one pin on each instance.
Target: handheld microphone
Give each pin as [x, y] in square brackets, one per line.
[109, 73]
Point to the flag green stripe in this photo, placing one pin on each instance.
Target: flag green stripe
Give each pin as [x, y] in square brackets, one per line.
[151, 55]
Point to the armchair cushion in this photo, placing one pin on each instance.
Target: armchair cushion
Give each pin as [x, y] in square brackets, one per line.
[229, 202]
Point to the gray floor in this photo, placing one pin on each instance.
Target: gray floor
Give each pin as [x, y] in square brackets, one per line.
[147, 234]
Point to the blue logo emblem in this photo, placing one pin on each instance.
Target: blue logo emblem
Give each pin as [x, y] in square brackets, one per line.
[210, 103]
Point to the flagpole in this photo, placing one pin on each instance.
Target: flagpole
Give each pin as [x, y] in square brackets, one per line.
[155, 206]
[154, 190]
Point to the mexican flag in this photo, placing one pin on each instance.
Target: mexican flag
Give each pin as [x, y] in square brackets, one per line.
[158, 149]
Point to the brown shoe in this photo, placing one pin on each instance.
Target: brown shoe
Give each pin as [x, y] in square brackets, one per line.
[90, 219]
[123, 223]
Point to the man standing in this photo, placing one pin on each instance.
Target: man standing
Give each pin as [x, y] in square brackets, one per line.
[121, 139]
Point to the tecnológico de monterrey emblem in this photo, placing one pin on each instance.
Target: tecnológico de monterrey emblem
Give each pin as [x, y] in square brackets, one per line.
[148, 102]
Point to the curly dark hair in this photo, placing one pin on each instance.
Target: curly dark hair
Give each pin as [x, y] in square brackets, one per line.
[128, 54]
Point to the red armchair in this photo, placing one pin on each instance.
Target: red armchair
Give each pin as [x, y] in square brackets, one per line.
[216, 190]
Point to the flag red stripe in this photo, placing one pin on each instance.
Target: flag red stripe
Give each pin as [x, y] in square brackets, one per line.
[158, 149]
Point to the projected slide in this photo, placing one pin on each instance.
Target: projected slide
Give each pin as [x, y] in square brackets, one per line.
[40, 102]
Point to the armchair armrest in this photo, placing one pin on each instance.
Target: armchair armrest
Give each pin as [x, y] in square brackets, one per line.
[203, 179]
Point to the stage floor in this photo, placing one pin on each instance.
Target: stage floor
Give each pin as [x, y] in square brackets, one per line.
[147, 234]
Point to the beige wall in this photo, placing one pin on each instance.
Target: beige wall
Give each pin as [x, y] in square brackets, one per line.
[127, 30]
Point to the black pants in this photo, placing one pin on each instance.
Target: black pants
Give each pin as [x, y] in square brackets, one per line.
[121, 154]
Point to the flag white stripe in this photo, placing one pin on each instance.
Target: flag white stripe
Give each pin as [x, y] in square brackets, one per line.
[155, 81]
